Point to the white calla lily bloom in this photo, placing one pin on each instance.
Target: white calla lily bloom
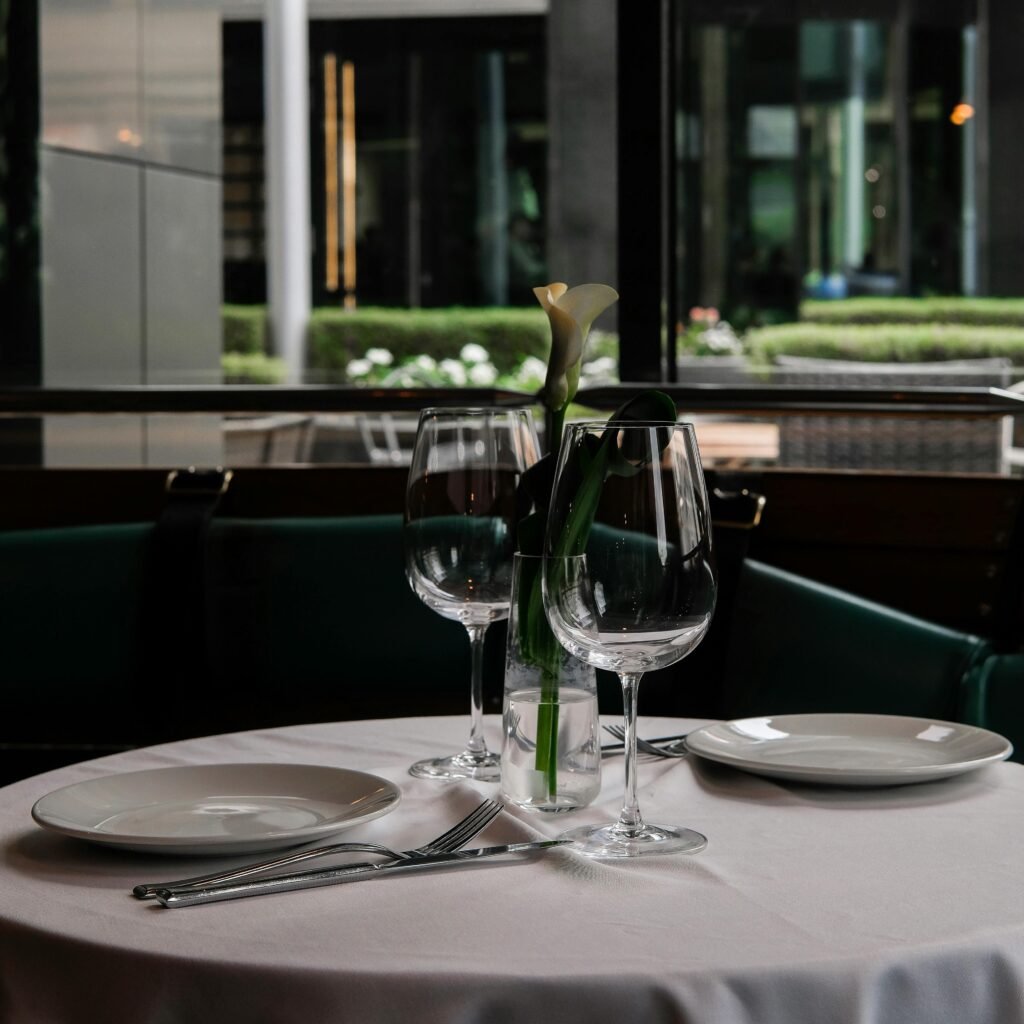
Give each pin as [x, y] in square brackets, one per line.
[570, 312]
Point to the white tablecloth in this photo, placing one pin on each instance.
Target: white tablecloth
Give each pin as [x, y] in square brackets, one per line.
[809, 904]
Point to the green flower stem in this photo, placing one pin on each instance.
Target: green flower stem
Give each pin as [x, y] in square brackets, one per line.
[547, 717]
[574, 534]
[570, 312]
[554, 421]
[538, 644]
[545, 650]
[539, 647]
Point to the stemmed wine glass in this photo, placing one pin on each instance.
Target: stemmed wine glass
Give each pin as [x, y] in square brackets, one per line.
[629, 583]
[459, 536]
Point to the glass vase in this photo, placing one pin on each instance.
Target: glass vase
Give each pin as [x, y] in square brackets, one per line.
[551, 747]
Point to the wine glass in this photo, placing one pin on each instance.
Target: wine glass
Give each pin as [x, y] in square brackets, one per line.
[629, 582]
[459, 536]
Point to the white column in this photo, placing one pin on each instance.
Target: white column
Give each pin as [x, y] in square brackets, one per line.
[286, 78]
[969, 157]
[853, 150]
[492, 180]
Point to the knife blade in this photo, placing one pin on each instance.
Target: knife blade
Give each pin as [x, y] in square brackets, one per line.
[190, 897]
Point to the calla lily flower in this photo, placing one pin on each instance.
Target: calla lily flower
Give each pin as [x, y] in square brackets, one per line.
[570, 312]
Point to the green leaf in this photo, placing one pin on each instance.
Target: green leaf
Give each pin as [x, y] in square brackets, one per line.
[602, 457]
[650, 405]
[533, 496]
[536, 482]
[647, 407]
[531, 533]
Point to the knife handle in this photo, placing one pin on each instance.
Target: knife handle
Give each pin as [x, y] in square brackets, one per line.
[335, 876]
[275, 883]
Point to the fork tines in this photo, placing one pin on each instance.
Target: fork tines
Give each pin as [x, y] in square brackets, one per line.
[471, 824]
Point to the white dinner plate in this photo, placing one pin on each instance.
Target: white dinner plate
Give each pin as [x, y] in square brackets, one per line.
[849, 750]
[216, 808]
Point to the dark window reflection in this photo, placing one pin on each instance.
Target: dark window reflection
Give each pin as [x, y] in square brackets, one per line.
[826, 150]
[446, 121]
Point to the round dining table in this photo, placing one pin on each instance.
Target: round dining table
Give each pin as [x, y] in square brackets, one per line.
[811, 903]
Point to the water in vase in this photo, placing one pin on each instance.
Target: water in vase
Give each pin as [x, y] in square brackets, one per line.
[577, 771]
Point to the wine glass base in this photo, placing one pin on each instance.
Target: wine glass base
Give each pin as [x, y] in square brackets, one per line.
[485, 767]
[614, 841]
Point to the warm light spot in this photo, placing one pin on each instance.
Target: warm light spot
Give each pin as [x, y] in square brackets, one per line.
[331, 214]
[872, 174]
[962, 113]
[348, 181]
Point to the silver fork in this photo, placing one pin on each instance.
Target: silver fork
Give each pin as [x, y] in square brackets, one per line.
[677, 749]
[458, 835]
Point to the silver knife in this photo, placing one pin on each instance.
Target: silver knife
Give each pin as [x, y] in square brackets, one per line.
[190, 897]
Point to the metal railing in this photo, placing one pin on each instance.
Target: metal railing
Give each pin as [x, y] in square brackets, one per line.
[742, 399]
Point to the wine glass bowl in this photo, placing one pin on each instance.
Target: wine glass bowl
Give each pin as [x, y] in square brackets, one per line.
[629, 582]
[457, 566]
[624, 630]
[459, 536]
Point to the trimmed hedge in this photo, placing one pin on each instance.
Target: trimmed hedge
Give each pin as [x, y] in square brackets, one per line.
[252, 368]
[508, 335]
[337, 336]
[886, 343]
[944, 310]
[244, 329]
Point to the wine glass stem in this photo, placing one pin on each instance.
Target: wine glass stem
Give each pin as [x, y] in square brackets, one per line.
[477, 744]
[630, 821]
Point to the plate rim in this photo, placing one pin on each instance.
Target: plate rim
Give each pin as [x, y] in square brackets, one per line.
[824, 774]
[210, 844]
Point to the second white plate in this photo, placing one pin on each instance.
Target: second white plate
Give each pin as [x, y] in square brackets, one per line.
[216, 808]
[849, 750]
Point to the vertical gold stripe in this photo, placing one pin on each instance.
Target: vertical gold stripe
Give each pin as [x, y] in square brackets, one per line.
[331, 172]
[348, 178]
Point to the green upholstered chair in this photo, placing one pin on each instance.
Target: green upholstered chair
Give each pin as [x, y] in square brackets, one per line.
[693, 686]
[71, 637]
[315, 617]
[70, 610]
[305, 620]
[995, 699]
[796, 645]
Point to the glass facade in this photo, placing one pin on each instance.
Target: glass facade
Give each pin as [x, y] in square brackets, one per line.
[825, 159]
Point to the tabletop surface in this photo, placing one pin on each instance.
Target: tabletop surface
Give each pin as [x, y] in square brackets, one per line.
[809, 904]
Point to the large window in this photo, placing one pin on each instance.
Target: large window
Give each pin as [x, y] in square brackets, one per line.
[747, 175]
